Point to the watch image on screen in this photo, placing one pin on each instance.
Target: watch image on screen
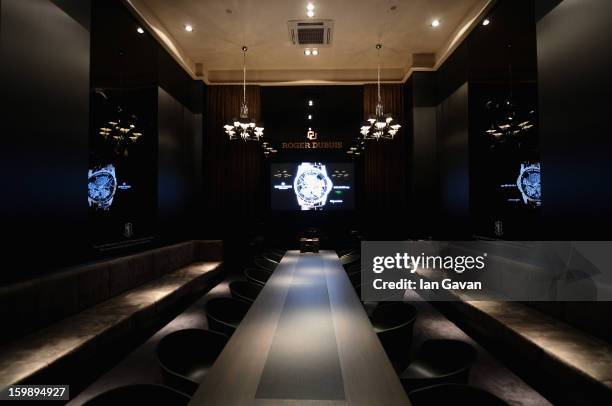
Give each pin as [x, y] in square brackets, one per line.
[102, 185]
[312, 186]
[529, 184]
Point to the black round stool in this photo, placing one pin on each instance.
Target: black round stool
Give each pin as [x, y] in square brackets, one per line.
[186, 355]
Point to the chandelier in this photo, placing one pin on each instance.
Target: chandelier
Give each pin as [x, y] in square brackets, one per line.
[380, 125]
[244, 128]
[509, 121]
[121, 129]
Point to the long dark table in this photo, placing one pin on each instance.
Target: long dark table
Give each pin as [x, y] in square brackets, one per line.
[305, 341]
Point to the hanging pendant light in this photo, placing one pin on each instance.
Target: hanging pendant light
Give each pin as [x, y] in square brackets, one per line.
[244, 128]
[509, 119]
[380, 125]
[121, 130]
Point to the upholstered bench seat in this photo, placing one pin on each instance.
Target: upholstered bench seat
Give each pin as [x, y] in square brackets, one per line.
[563, 363]
[65, 348]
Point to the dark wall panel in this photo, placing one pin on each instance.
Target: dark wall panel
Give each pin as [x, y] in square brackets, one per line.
[180, 143]
[501, 59]
[452, 141]
[575, 88]
[502, 70]
[127, 62]
[543, 7]
[424, 171]
[172, 183]
[124, 68]
[175, 81]
[121, 57]
[195, 154]
[51, 64]
[78, 10]
[453, 73]
[453, 158]
[45, 96]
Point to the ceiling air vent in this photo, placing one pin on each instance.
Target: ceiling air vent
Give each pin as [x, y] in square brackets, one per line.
[310, 32]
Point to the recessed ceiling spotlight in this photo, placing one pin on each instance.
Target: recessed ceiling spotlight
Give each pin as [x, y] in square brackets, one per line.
[435, 23]
[188, 27]
[310, 116]
[310, 102]
[310, 13]
[486, 22]
[307, 52]
[315, 52]
[140, 30]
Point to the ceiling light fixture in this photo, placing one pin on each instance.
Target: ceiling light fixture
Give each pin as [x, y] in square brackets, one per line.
[307, 52]
[310, 116]
[310, 10]
[380, 125]
[188, 27]
[244, 128]
[486, 22]
[315, 52]
[435, 23]
[140, 30]
[310, 102]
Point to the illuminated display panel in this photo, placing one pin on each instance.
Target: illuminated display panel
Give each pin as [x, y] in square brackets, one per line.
[312, 186]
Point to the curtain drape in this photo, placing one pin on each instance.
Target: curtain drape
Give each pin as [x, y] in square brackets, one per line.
[232, 170]
[386, 162]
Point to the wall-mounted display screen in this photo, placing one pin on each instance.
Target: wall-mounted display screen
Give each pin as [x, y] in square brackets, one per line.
[312, 186]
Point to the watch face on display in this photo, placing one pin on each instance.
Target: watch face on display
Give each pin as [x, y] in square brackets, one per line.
[102, 185]
[529, 184]
[320, 186]
[311, 186]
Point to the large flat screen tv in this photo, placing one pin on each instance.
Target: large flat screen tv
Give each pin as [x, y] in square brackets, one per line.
[312, 186]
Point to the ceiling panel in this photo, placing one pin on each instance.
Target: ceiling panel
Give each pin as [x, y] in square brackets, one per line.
[221, 27]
